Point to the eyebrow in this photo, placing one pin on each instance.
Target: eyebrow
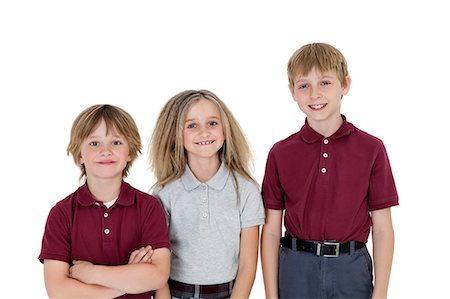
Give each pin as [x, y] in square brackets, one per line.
[303, 79]
[115, 135]
[208, 118]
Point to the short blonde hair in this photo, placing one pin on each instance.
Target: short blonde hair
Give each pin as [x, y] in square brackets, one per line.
[322, 56]
[116, 119]
[167, 156]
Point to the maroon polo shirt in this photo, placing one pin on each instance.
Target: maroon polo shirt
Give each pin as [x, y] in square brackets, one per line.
[327, 186]
[80, 228]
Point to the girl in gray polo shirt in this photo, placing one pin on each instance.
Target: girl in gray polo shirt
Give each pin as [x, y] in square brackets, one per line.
[201, 161]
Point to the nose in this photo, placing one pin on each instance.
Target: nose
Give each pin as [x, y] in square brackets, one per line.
[204, 131]
[106, 151]
[315, 93]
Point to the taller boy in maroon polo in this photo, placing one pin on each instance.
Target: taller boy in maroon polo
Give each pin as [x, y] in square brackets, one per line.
[107, 239]
[333, 182]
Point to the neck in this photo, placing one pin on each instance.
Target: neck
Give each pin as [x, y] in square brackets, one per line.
[326, 128]
[104, 190]
[204, 170]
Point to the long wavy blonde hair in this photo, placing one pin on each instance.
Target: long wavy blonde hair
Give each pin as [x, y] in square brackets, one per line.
[167, 156]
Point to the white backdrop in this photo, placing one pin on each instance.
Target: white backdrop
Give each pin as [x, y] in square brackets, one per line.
[58, 57]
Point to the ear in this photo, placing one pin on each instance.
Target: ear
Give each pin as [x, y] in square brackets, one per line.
[346, 88]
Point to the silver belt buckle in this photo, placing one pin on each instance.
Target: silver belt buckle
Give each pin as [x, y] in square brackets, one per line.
[336, 249]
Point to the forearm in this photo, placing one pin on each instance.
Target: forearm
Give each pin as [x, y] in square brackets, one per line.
[269, 260]
[244, 280]
[163, 293]
[72, 288]
[248, 259]
[131, 278]
[383, 250]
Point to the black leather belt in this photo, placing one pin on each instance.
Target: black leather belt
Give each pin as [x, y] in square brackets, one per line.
[326, 249]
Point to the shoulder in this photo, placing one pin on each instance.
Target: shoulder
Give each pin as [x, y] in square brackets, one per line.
[245, 184]
[61, 213]
[66, 204]
[288, 141]
[169, 188]
[363, 135]
[248, 189]
[366, 140]
[144, 199]
[169, 193]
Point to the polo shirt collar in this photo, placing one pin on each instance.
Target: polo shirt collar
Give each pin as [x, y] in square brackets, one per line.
[217, 182]
[126, 195]
[308, 134]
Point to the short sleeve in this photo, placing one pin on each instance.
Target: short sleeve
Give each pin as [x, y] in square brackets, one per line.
[252, 209]
[382, 190]
[272, 192]
[56, 240]
[154, 226]
[160, 194]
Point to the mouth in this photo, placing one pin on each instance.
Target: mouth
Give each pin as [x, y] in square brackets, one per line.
[106, 162]
[317, 107]
[207, 142]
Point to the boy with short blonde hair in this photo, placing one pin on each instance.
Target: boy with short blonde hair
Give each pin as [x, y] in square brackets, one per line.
[106, 239]
[333, 183]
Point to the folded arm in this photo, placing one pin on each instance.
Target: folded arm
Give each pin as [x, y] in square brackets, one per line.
[87, 280]
[60, 285]
[131, 278]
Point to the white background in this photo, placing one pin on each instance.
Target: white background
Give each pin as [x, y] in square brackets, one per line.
[58, 57]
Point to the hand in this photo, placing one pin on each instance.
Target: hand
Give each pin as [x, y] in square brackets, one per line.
[81, 270]
[141, 255]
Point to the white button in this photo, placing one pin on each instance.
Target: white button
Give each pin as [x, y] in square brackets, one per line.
[325, 141]
[97, 204]
[204, 187]
[204, 200]
[323, 170]
[325, 155]
[105, 215]
[205, 214]
[106, 231]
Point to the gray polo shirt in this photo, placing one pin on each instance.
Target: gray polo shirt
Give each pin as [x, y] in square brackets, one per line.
[205, 221]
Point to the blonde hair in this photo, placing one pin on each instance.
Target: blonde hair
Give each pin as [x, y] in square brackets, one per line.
[322, 56]
[167, 156]
[115, 119]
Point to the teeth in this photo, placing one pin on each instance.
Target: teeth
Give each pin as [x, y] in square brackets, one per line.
[204, 142]
[318, 106]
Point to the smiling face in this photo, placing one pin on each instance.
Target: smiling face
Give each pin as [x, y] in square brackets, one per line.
[319, 94]
[105, 153]
[203, 131]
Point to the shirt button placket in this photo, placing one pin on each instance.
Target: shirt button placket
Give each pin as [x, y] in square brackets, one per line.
[204, 202]
[323, 168]
[106, 227]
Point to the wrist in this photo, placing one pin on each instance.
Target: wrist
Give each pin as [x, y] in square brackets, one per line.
[94, 275]
[379, 294]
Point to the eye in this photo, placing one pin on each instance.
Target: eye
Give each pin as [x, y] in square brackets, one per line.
[213, 123]
[324, 83]
[117, 142]
[190, 126]
[94, 143]
[302, 86]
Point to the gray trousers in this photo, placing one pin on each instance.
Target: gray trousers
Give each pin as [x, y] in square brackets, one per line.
[305, 275]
